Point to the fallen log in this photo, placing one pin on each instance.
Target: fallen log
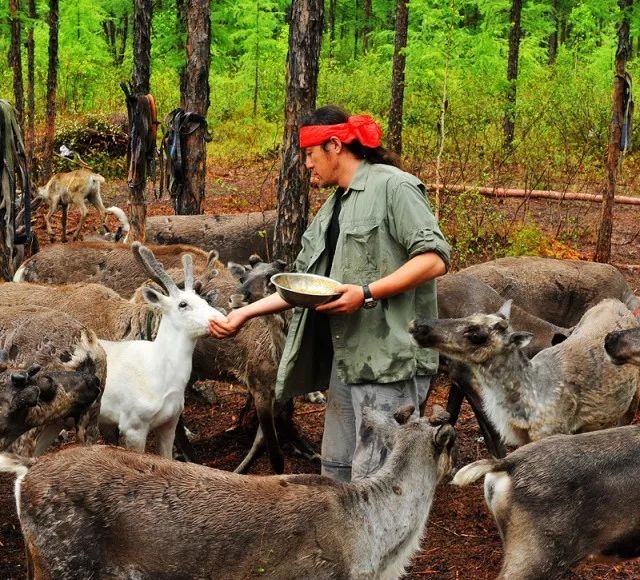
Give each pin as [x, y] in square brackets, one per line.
[234, 236]
[534, 193]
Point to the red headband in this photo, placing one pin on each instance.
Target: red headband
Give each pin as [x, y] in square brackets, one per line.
[360, 127]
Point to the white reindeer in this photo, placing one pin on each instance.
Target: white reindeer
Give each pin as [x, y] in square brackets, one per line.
[146, 380]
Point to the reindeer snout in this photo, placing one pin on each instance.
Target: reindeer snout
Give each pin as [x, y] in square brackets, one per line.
[423, 331]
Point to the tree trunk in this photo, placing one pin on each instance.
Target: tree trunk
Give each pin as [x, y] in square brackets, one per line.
[366, 25]
[31, 101]
[141, 85]
[142, 14]
[181, 33]
[195, 98]
[394, 139]
[15, 58]
[124, 31]
[603, 245]
[515, 33]
[256, 80]
[332, 26]
[52, 84]
[356, 28]
[553, 37]
[305, 38]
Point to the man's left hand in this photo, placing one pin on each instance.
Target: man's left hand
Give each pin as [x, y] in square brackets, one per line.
[351, 300]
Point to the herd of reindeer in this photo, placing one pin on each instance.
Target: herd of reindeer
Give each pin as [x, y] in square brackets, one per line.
[104, 338]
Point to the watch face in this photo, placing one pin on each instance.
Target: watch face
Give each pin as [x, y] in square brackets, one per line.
[369, 303]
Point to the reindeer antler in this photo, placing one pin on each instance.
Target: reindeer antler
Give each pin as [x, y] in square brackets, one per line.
[154, 268]
[187, 264]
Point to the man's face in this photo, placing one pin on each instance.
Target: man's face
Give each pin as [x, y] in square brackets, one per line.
[322, 160]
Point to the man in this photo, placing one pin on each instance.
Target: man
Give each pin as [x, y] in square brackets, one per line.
[378, 237]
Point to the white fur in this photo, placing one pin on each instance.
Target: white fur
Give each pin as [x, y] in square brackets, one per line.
[19, 275]
[9, 464]
[146, 380]
[470, 473]
[124, 221]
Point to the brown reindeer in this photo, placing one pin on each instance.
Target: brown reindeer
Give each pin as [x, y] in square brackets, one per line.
[104, 512]
[68, 386]
[75, 187]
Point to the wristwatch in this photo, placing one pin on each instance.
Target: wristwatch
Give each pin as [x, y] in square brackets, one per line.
[369, 300]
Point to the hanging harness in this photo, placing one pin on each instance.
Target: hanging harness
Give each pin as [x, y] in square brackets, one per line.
[142, 114]
[179, 124]
[627, 108]
[15, 214]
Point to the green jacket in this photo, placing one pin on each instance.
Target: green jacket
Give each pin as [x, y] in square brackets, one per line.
[384, 221]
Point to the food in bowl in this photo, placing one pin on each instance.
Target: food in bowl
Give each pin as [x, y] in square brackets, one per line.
[306, 290]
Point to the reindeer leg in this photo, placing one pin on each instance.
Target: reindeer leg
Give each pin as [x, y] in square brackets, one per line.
[264, 409]
[83, 216]
[165, 435]
[256, 449]
[96, 201]
[182, 441]
[288, 431]
[47, 220]
[64, 222]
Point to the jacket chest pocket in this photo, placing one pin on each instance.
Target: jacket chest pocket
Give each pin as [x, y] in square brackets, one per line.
[361, 251]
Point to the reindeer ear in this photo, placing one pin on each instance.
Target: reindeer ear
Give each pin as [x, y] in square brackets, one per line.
[255, 259]
[212, 257]
[444, 437]
[280, 265]
[520, 338]
[237, 271]
[152, 296]
[505, 310]
[48, 388]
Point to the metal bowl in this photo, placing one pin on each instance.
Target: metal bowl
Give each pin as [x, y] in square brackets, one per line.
[306, 290]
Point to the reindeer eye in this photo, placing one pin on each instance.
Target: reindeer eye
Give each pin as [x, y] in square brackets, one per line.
[183, 305]
[476, 336]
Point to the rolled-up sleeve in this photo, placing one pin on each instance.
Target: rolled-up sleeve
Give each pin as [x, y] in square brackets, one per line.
[412, 224]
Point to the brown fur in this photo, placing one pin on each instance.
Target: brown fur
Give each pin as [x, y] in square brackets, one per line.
[70, 357]
[252, 357]
[103, 263]
[97, 307]
[104, 512]
[75, 187]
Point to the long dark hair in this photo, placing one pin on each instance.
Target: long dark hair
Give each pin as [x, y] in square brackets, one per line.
[334, 115]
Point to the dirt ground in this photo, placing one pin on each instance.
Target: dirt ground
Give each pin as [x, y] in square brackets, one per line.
[461, 541]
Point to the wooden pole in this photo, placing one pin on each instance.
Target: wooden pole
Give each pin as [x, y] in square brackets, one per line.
[533, 193]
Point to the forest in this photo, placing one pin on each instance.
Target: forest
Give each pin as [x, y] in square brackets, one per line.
[456, 53]
[516, 114]
[492, 93]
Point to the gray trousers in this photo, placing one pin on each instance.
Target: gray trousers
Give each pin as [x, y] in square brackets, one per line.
[345, 455]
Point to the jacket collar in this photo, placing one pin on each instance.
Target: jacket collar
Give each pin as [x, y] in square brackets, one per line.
[359, 181]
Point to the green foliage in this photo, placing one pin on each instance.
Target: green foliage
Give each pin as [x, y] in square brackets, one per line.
[527, 240]
[474, 228]
[563, 109]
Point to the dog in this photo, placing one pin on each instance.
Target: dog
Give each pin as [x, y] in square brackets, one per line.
[75, 187]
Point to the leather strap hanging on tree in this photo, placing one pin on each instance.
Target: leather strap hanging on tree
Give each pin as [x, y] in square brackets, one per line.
[15, 215]
[627, 111]
[179, 124]
[143, 128]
